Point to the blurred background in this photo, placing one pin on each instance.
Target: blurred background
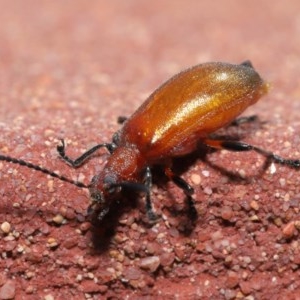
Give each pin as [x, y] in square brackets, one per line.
[60, 54]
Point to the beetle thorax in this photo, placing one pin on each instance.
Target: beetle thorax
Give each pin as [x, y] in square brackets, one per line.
[124, 164]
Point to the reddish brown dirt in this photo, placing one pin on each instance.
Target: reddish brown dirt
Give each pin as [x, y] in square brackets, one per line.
[68, 69]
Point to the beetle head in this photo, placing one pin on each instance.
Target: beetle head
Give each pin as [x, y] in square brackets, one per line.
[103, 190]
[119, 172]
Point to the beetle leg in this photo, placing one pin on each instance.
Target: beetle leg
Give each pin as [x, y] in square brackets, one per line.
[181, 183]
[121, 119]
[241, 146]
[148, 183]
[86, 155]
[247, 63]
[242, 120]
[188, 190]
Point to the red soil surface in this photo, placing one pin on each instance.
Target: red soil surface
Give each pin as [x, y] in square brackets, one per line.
[68, 69]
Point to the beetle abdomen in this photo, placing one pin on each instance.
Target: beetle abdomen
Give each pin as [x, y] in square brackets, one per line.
[191, 105]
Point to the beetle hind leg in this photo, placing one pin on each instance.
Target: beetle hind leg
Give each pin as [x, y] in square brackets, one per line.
[241, 146]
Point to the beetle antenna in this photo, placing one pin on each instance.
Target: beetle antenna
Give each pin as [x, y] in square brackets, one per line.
[43, 170]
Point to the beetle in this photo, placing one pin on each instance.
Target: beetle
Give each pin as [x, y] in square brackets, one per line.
[183, 112]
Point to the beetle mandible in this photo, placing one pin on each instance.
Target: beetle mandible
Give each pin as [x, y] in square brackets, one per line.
[175, 118]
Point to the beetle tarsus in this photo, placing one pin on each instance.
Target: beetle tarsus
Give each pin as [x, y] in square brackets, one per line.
[191, 208]
[149, 210]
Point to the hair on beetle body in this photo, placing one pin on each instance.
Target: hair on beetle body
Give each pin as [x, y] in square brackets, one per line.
[183, 112]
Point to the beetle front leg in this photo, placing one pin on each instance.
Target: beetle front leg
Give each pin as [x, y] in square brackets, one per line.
[86, 155]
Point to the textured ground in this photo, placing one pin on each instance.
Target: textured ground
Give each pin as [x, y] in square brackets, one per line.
[68, 69]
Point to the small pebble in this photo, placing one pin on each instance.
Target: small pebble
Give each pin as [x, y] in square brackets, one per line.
[150, 263]
[6, 227]
[288, 230]
[254, 205]
[205, 173]
[90, 275]
[297, 225]
[58, 219]
[8, 290]
[29, 289]
[232, 280]
[226, 213]
[50, 185]
[254, 218]
[52, 243]
[196, 179]
[85, 226]
[207, 191]
[229, 294]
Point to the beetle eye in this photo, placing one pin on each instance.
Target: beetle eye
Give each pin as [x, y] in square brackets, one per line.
[97, 196]
[111, 190]
[110, 184]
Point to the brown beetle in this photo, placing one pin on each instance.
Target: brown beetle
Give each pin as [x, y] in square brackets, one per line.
[184, 111]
